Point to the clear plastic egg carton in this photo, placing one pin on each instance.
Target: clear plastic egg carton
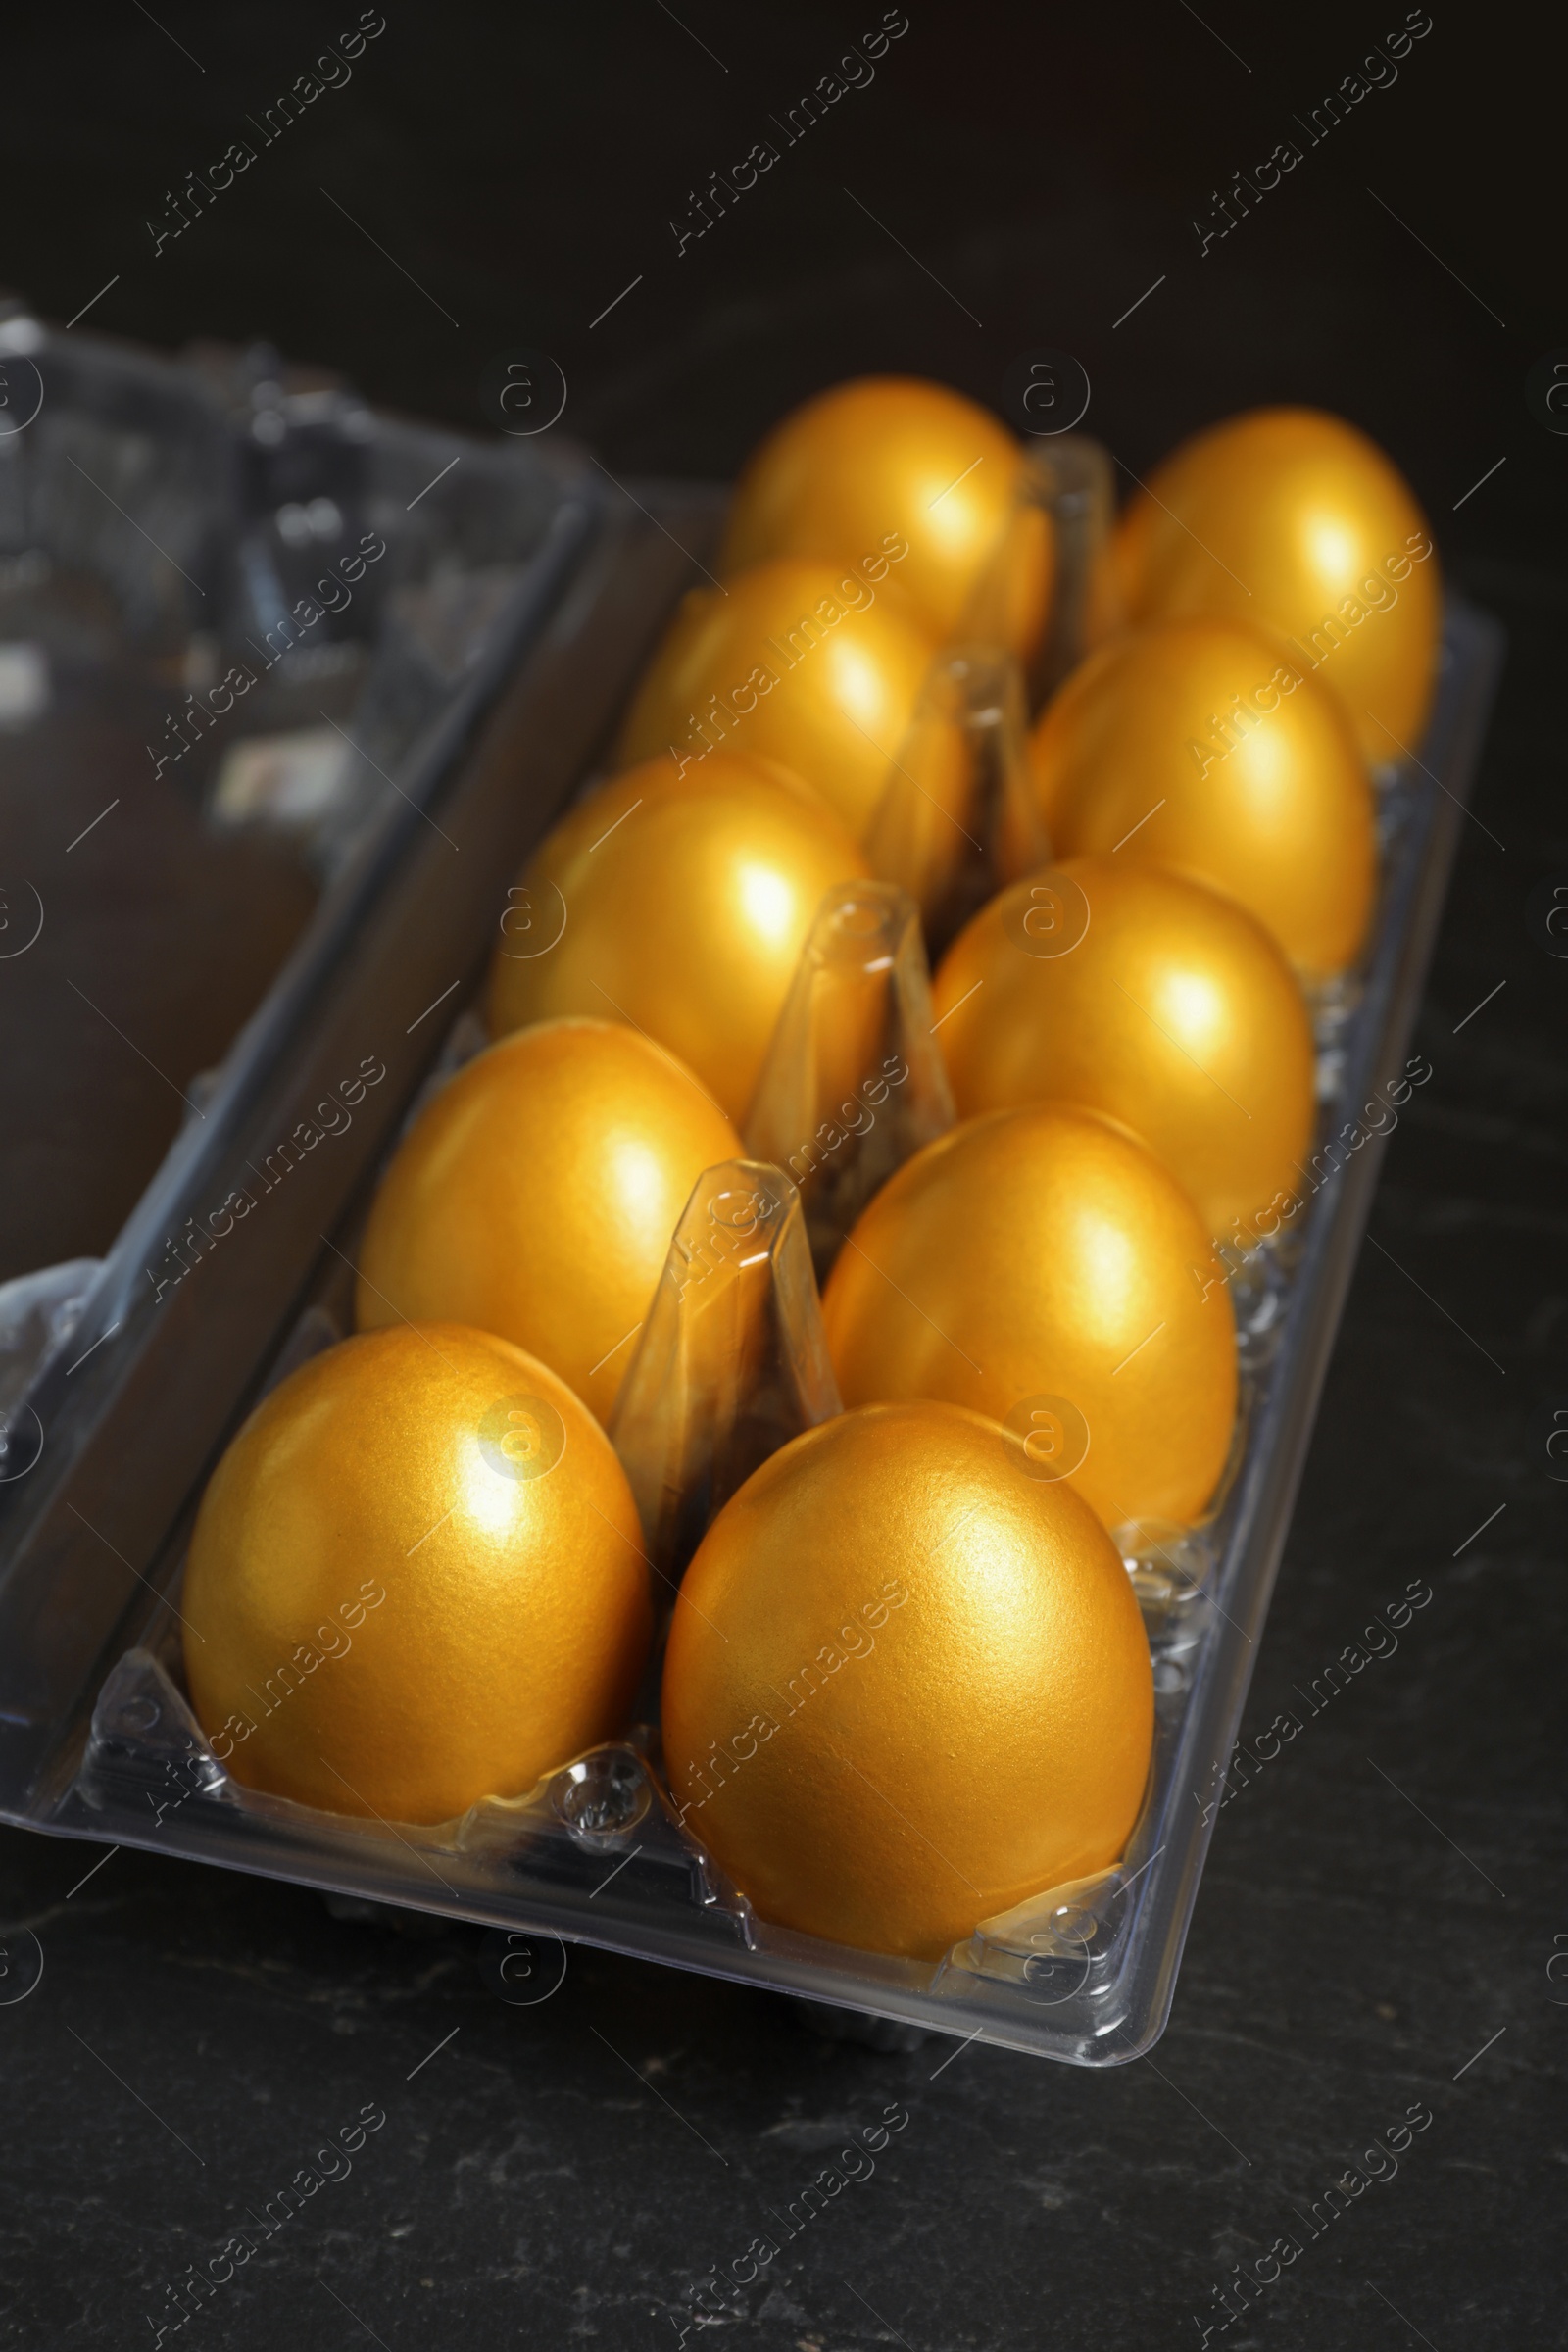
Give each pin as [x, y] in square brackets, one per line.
[97, 1738]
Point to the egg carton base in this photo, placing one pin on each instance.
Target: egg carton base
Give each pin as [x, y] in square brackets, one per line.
[1083, 1975]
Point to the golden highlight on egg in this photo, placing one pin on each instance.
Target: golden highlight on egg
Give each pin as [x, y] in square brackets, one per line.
[415, 1580]
[1293, 518]
[536, 1194]
[811, 664]
[679, 905]
[1043, 1258]
[1201, 747]
[893, 454]
[908, 1684]
[1147, 998]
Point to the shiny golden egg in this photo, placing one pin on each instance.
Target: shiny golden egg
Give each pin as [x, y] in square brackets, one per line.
[679, 905]
[808, 663]
[1294, 519]
[1043, 1268]
[907, 1686]
[536, 1194]
[415, 1580]
[888, 462]
[1152, 1001]
[1196, 745]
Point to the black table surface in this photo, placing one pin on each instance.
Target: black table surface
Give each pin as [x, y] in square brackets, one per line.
[1383, 1926]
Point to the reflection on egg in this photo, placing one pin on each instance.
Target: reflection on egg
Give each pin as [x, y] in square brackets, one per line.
[1039, 1259]
[536, 1196]
[908, 1684]
[1197, 746]
[891, 454]
[1292, 519]
[1150, 1000]
[809, 664]
[415, 1580]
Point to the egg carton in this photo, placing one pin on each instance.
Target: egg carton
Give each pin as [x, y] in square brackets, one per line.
[120, 1382]
[97, 1738]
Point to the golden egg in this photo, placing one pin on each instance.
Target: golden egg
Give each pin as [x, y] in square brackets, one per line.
[536, 1194]
[808, 663]
[1195, 744]
[907, 1686]
[1043, 1268]
[888, 461]
[415, 1580]
[1293, 518]
[1150, 1000]
[678, 903]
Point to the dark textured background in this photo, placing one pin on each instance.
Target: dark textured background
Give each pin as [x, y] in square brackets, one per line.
[194, 2035]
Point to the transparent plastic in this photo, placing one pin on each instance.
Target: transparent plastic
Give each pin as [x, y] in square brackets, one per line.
[1073, 477]
[244, 619]
[1068, 479]
[96, 1739]
[731, 1363]
[854, 1081]
[958, 814]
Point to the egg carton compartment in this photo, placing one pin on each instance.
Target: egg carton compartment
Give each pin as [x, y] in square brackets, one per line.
[97, 1729]
[598, 1818]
